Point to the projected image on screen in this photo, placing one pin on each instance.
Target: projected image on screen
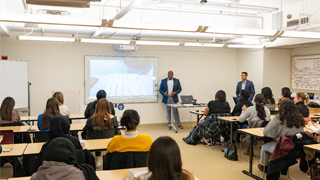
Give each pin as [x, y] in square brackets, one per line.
[124, 80]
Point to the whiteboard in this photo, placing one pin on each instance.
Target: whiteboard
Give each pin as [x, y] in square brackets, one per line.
[14, 82]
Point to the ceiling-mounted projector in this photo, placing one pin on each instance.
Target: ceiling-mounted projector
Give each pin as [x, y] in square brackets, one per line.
[65, 3]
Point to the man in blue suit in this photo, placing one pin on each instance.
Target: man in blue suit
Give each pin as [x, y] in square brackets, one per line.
[246, 85]
[170, 88]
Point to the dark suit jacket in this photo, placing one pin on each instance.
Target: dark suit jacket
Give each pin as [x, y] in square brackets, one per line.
[176, 88]
[249, 87]
[92, 106]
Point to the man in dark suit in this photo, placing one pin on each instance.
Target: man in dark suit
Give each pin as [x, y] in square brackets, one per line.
[92, 106]
[246, 85]
[170, 88]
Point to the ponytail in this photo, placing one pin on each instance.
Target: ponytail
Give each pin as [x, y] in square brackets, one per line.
[261, 112]
[303, 96]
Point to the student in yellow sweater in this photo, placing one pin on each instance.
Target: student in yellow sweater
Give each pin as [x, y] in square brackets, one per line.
[131, 140]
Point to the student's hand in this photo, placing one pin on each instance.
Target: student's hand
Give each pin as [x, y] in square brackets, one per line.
[173, 93]
[244, 108]
[310, 123]
[166, 94]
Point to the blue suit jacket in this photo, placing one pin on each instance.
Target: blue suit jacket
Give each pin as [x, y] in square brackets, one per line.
[164, 87]
[249, 87]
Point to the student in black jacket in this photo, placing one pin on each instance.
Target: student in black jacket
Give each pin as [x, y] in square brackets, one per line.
[92, 106]
[299, 100]
[244, 96]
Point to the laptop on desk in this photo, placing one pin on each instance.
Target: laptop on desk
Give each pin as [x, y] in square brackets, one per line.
[187, 100]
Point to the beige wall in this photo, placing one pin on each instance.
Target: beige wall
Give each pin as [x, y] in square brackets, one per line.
[60, 66]
[251, 61]
[276, 70]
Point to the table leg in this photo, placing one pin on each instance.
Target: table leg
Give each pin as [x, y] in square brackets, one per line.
[172, 116]
[198, 118]
[250, 162]
[231, 137]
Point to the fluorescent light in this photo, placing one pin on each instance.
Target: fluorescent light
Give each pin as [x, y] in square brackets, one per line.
[235, 31]
[152, 26]
[42, 38]
[245, 46]
[299, 34]
[159, 43]
[106, 41]
[203, 45]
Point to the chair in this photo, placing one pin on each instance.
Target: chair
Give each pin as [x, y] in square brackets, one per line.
[41, 136]
[8, 137]
[124, 160]
[235, 99]
[105, 133]
[18, 137]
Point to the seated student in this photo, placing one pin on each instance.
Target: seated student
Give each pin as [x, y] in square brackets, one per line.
[91, 106]
[59, 127]
[300, 99]
[285, 93]
[64, 110]
[60, 162]
[219, 105]
[254, 114]
[7, 113]
[164, 161]
[287, 122]
[52, 110]
[101, 118]
[244, 96]
[269, 100]
[131, 140]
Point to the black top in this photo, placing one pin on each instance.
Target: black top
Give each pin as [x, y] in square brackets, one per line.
[303, 109]
[92, 106]
[89, 125]
[238, 107]
[216, 107]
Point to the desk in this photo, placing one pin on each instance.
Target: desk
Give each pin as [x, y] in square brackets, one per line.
[33, 148]
[16, 129]
[35, 118]
[181, 106]
[17, 151]
[314, 147]
[199, 115]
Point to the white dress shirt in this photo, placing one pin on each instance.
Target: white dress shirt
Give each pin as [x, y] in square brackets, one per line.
[170, 86]
[244, 84]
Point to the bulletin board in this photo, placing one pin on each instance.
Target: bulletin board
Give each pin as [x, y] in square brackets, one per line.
[305, 72]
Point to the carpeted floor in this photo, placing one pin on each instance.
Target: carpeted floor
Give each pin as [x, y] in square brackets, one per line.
[206, 163]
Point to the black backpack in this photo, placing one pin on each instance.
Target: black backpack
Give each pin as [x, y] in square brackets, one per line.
[194, 137]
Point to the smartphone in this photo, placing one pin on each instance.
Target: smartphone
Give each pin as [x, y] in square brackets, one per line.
[7, 149]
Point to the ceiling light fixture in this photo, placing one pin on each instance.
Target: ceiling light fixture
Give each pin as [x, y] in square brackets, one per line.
[203, 45]
[42, 38]
[157, 43]
[301, 34]
[245, 46]
[105, 41]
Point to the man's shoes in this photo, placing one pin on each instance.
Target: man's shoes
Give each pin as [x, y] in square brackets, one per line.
[180, 126]
[169, 127]
[261, 167]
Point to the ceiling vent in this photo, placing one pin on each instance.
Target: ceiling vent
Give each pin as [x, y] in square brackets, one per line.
[296, 22]
[64, 3]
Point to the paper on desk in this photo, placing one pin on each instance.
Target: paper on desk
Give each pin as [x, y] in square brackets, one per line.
[134, 173]
[260, 130]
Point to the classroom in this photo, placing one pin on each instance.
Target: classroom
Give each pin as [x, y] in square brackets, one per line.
[129, 49]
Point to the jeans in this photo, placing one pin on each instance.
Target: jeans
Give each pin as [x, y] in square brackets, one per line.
[266, 147]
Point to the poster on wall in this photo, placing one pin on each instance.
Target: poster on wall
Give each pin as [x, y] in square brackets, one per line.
[306, 72]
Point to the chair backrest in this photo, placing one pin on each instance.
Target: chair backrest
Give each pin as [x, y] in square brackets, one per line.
[124, 160]
[41, 136]
[7, 137]
[235, 99]
[105, 133]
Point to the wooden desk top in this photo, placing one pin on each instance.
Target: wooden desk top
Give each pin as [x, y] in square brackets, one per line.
[195, 112]
[35, 118]
[77, 116]
[315, 147]
[96, 144]
[258, 132]
[314, 115]
[185, 105]
[15, 128]
[235, 118]
[24, 118]
[76, 127]
[17, 150]
[33, 148]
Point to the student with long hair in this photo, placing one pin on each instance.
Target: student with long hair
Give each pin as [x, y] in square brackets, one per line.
[285, 93]
[131, 141]
[164, 161]
[254, 114]
[51, 111]
[267, 93]
[64, 110]
[219, 105]
[244, 96]
[287, 122]
[7, 112]
[101, 119]
[301, 99]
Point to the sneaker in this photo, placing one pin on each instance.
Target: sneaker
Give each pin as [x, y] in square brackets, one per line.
[169, 127]
[180, 126]
[260, 166]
